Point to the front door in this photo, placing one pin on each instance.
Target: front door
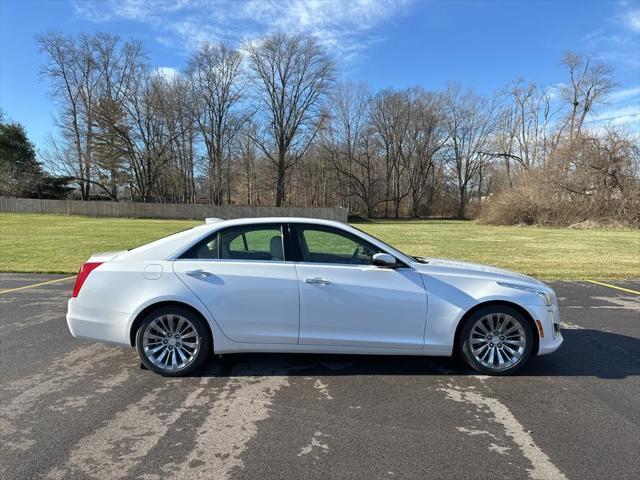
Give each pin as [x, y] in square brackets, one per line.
[346, 301]
[241, 275]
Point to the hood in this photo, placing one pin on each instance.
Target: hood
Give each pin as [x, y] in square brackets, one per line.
[451, 267]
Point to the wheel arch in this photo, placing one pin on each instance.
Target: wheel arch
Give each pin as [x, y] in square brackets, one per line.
[504, 303]
[166, 303]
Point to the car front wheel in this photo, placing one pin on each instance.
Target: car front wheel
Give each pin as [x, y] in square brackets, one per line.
[496, 340]
[172, 341]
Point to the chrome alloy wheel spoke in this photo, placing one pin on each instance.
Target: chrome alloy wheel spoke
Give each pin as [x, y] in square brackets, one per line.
[497, 341]
[170, 342]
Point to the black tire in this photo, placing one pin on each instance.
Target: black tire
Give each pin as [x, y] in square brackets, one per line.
[464, 344]
[201, 333]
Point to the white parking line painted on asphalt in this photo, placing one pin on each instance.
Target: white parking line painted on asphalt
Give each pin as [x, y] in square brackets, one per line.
[74, 367]
[323, 388]
[230, 424]
[627, 303]
[498, 449]
[49, 309]
[315, 445]
[570, 326]
[541, 466]
[139, 427]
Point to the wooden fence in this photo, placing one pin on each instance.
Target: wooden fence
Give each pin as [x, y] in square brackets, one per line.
[162, 210]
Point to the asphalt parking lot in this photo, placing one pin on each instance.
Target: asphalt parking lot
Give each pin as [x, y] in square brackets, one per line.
[76, 409]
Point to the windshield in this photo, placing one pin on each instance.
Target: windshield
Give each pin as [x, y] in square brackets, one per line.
[415, 259]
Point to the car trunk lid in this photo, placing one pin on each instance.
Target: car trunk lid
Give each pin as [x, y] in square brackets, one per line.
[105, 256]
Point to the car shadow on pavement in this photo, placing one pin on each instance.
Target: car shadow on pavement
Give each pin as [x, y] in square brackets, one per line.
[589, 353]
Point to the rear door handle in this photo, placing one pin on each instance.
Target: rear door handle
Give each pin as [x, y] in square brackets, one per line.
[317, 280]
[199, 273]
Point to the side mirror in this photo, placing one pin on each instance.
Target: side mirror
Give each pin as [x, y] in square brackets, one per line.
[384, 260]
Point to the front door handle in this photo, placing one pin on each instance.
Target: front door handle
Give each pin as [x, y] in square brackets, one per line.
[317, 280]
[199, 273]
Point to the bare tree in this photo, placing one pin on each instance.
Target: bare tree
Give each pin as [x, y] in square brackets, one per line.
[214, 76]
[248, 159]
[236, 124]
[469, 120]
[179, 113]
[365, 172]
[390, 118]
[524, 136]
[292, 76]
[145, 134]
[349, 105]
[71, 68]
[88, 75]
[117, 63]
[532, 113]
[589, 83]
[349, 144]
[427, 136]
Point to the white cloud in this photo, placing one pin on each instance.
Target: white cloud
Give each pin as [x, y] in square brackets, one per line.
[168, 73]
[346, 27]
[616, 41]
[104, 10]
[633, 20]
[620, 115]
[625, 93]
[555, 91]
[622, 108]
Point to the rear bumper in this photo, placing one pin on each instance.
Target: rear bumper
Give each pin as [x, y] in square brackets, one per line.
[98, 324]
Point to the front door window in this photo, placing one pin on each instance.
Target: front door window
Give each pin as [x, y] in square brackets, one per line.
[320, 244]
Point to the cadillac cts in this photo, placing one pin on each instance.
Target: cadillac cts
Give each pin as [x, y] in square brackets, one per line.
[306, 285]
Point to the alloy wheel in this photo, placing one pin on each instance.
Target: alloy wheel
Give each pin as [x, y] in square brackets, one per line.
[497, 341]
[170, 342]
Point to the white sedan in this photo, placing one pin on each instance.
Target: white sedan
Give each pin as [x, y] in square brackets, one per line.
[305, 285]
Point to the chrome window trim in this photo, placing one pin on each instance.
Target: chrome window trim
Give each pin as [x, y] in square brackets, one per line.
[230, 260]
[355, 265]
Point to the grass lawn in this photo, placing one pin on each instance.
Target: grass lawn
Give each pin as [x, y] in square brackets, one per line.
[59, 244]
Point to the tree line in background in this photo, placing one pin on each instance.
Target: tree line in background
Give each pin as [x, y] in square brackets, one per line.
[20, 173]
[268, 124]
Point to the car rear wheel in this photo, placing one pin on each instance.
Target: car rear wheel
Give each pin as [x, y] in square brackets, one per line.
[496, 340]
[172, 341]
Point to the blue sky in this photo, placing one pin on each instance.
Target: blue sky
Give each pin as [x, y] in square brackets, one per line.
[484, 44]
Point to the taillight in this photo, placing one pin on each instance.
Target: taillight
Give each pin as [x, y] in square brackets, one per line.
[84, 272]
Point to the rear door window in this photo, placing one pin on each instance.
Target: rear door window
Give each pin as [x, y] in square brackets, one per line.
[256, 242]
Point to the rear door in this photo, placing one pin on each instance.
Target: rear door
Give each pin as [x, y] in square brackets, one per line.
[242, 276]
[346, 301]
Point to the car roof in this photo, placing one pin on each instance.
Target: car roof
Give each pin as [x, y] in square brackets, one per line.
[166, 247]
[259, 220]
[169, 247]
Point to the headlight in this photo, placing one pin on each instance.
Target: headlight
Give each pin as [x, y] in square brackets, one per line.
[547, 297]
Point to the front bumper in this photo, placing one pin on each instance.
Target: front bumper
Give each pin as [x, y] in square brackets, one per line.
[547, 319]
[550, 347]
